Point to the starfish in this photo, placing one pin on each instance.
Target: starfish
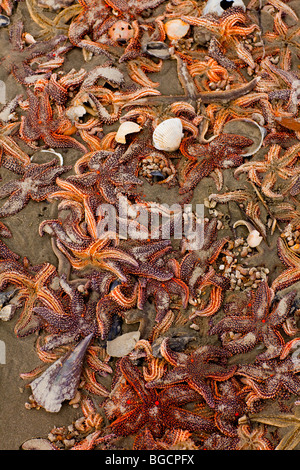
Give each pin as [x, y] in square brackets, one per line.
[135, 406]
[18, 60]
[273, 167]
[37, 182]
[206, 362]
[196, 270]
[108, 175]
[269, 378]
[292, 261]
[9, 147]
[78, 322]
[39, 124]
[283, 420]
[222, 152]
[229, 406]
[33, 288]
[261, 324]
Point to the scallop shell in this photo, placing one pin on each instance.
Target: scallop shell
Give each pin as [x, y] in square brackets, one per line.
[168, 134]
[38, 443]
[127, 127]
[219, 6]
[247, 128]
[60, 381]
[176, 29]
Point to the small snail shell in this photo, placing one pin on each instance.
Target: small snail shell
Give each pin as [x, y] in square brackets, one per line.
[176, 29]
[167, 135]
[127, 127]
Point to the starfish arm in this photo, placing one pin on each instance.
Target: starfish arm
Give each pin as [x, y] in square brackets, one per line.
[130, 422]
[63, 141]
[243, 344]
[203, 389]
[274, 344]
[60, 322]
[174, 376]
[238, 324]
[193, 422]
[15, 203]
[281, 312]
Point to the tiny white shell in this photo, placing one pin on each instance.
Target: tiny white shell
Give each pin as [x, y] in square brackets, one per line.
[127, 127]
[168, 134]
[176, 29]
[219, 6]
[122, 345]
[254, 239]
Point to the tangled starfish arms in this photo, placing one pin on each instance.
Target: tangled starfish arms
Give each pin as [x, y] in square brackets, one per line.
[161, 346]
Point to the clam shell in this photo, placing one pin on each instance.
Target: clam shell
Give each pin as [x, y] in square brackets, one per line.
[168, 134]
[127, 127]
[122, 345]
[4, 21]
[176, 29]
[219, 6]
[247, 128]
[60, 381]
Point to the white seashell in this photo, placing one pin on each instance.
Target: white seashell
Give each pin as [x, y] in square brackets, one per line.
[127, 127]
[122, 345]
[75, 112]
[254, 239]
[219, 6]
[176, 29]
[168, 134]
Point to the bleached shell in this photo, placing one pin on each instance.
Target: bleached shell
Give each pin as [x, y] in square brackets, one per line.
[254, 239]
[176, 29]
[60, 381]
[168, 134]
[122, 345]
[214, 6]
[75, 112]
[127, 127]
[38, 443]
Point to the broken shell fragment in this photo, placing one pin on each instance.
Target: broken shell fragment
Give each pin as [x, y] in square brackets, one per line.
[247, 128]
[60, 381]
[122, 345]
[254, 239]
[168, 134]
[176, 29]
[127, 127]
[219, 6]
